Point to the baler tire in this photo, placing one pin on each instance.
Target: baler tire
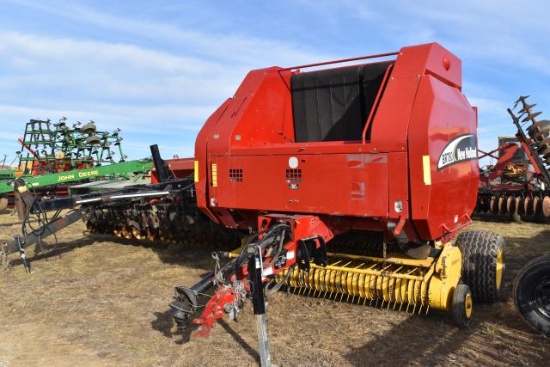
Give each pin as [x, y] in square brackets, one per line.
[462, 305]
[482, 263]
[532, 294]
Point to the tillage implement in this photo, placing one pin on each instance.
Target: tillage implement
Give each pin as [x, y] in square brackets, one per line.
[517, 185]
[56, 155]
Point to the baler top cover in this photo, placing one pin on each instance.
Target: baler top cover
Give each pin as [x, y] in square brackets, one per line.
[389, 145]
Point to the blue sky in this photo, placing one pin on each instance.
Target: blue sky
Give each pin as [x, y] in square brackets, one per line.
[158, 69]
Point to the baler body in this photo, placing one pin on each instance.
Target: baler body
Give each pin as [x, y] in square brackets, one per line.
[389, 145]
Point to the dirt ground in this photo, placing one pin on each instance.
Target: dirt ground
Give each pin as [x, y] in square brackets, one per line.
[102, 301]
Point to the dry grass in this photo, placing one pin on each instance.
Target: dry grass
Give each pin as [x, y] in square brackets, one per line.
[100, 301]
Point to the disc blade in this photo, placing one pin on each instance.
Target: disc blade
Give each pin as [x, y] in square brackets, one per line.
[502, 205]
[528, 205]
[546, 206]
[3, 203]
[520, 208]
[537, 201]
[531, 116]
[494, 204]
[511, 205]
[486, 206]
[527, 107]
[540, 132]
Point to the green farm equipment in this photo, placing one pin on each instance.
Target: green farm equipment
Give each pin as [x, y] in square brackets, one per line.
[49, 148]
[54, 155]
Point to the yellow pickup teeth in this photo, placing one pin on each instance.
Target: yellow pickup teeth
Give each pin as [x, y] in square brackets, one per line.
[394, 283]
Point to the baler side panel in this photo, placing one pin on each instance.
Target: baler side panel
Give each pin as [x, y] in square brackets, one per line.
[201, 161]
[441, 196]
[260, 114]
[391, 124]
[336, 184]
[430, 59]
[398, 188]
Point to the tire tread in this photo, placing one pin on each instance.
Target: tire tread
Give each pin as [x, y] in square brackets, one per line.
[479, 263]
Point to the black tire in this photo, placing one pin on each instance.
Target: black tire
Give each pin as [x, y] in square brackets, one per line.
[462, 305]
[482, 263]
[532, 294]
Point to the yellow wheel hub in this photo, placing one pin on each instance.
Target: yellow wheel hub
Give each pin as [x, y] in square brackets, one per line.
[468, 306]
[499, 268]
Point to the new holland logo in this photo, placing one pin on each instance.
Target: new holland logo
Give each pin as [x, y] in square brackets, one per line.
[460, 149]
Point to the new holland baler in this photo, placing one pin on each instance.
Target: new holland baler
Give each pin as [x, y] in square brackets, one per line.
[353, 181]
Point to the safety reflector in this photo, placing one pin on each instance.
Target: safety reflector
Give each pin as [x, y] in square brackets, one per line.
[426, 169]
[214, 172]
[196, 170]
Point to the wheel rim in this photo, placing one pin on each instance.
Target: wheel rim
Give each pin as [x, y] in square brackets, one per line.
[468, 306]
[499, 268]
[541, 297]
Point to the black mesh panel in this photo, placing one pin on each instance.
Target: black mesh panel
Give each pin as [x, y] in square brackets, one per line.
[331, 105]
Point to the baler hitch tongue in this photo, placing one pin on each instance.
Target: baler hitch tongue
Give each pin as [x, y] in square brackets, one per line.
[230, 295]
[186, 304]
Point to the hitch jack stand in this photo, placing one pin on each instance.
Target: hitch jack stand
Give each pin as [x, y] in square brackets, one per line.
[21, 249]
[258, 302]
